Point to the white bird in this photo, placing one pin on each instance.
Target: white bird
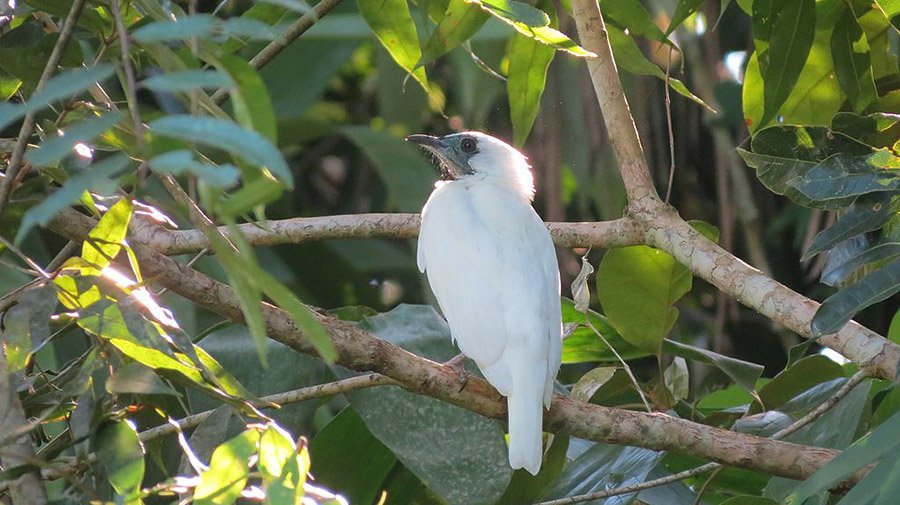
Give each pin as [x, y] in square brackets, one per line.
[491, 264]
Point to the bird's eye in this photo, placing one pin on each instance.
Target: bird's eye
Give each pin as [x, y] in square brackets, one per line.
[468, 145]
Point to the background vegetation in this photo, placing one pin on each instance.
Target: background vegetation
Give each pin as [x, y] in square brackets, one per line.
[772, 126]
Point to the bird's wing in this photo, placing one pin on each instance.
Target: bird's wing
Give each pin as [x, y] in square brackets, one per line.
[492, 267]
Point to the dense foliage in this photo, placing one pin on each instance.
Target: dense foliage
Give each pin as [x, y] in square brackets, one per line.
[155, 114]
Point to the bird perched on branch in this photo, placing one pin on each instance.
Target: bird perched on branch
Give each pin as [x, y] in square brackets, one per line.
[491, 263]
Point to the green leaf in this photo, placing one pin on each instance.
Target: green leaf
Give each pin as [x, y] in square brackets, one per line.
[136, 378]
[247, 145]
[228, 470]
[866, 214]
[638, 287]
[294, 5]
[528, 64]
[584, 346]
[203, 26]
[840, 176]
[590, 382]
[407, 175]
[122, 456]
[631, 15]
[877, 129]
[517, 12]
[743, 373]
[542, 33]
[60, 87]
[596, 466]
[866, 259]
[460, 21]
[473, 464]
[182, 161]
[70, 192]
[852, 61]
[105, 240]
[803, 375]
[360, 477]
[187, 80]
[683, 10]
[894, 329]
[58, 147]
[275, 449]
[840, 307]
[393, 26]
[789, 42]
[250, 97]
[875, 445]
[630, 58]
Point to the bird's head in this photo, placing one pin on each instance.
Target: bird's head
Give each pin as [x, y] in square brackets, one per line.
[476, 156]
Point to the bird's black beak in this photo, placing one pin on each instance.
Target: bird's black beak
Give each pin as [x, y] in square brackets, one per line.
[426, 141]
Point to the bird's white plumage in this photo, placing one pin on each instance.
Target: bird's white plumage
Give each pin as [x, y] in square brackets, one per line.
[491, 263]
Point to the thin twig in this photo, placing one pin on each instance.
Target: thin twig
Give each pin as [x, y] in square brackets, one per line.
[627, 368]
[662, 481]
[814, 414]
[298, 28]
[18, 154]
[671, 131]
[130, 82]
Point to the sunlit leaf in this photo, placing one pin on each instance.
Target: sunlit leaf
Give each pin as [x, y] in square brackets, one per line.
[852, 62]
[393, 26]
[683, 10]
[528, 64]
[71, 191]
[228, 470]
[105, 240]
[540, 32]
[122, 456]
[245, 144]
[460, 21]
[638, 287]
[840, 307]
[519, 12]
[57, 147]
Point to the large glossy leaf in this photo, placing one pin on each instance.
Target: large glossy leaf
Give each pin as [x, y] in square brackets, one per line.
[98, 173]
[878, 129]
[743, 373]
[630, 58]
[584, 346]
[638, 287]
[393, 26]
[803, 375]
[473, 465]
[402, 166]
[875, 445]
[62, 86]
[852, 62]
[349, 459]
[866, 214]
[459, 22]
[791, 27]
[528, 64]
[603, 466]
[840, 307]
[867, 259]
[58, 147]
[240, 142]
[840, 176]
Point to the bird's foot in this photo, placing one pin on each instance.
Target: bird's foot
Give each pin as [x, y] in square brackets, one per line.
[457, 364]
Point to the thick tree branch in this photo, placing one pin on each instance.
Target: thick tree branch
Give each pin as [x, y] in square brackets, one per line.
[620, 232]
[665, 230]
[361, 351]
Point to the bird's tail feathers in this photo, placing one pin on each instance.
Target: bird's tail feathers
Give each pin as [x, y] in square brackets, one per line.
[526, 413]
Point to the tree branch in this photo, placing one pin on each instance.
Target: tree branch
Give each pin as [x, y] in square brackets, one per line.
[621, 232]
[362, 351]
